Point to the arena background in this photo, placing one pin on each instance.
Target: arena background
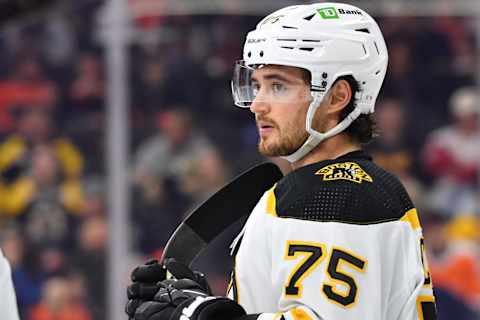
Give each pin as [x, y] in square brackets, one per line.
[116, 119]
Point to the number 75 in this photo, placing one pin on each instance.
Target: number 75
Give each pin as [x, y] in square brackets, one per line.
[312, 254]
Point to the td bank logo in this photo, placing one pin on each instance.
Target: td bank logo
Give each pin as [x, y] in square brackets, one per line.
[328, 13]
[333, 13]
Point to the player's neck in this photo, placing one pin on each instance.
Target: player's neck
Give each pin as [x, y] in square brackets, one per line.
[330, 148]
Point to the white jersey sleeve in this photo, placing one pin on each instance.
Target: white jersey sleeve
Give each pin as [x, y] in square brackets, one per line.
[8, 300]
[330, 270]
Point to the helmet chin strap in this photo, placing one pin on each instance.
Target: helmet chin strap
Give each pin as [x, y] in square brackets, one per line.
[316, 137]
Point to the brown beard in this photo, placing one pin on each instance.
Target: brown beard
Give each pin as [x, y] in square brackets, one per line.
[287, 144]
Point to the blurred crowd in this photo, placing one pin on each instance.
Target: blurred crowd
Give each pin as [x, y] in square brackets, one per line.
[188, 140]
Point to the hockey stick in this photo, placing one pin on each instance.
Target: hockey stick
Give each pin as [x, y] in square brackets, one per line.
[222, 209]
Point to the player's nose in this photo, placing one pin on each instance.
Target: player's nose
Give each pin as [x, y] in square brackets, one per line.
[259, 107]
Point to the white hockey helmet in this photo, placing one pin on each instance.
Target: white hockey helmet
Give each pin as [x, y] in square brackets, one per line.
[330, 40]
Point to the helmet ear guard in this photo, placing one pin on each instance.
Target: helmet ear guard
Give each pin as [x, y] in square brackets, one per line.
[330, 40]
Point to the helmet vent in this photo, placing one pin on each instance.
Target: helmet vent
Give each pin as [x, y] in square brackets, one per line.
[376, 73]
[376, 47]
[303, 49]
[287, 39]
[363, 30]
[308, 18]
[310, 40]
[289, 27]
[364, 49]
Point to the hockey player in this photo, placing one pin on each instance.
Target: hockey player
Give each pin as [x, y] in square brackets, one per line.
[338, 237]
[8, 300]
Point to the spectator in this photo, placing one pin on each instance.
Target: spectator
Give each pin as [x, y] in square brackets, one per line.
[58, 303]
[35, 157]
[43, 204]
[401, 66]
[158, 206]
[29, 86]
[461, 42]
[52, 260]
[36, 127]
[172, 171]
[151, 91]
[27, 279]
[93, 204]
[451, 156]
[90, 260]
[206, 176]
[79, 292]
[173, 151]
[87, 90]
[453, 256]
[393, 149]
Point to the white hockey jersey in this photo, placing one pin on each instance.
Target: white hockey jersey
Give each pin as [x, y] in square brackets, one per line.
[8, 300]
[335, 240]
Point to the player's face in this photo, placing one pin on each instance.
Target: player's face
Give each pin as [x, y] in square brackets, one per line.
[280, 107]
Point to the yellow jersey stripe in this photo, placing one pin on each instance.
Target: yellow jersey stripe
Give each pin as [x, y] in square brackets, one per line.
[271, 202]
[421, 299]
[411, 216]
[299, 314]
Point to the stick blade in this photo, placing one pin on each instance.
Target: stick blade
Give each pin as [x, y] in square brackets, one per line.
[235, 200]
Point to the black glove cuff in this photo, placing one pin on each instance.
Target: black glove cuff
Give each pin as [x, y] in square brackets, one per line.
[208, 308]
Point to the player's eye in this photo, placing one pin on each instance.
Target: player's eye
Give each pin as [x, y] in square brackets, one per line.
[278, 87]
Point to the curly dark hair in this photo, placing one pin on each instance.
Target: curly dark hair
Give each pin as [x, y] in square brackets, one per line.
[364, 128]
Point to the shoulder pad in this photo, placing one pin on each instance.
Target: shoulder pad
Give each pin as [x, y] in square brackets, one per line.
[350, 191]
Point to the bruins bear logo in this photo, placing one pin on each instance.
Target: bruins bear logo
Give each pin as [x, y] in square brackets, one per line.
[344, 171]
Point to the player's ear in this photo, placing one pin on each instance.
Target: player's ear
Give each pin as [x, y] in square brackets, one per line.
[339, 96]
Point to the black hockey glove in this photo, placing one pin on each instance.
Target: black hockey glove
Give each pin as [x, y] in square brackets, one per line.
[185, 300]
[146, 281]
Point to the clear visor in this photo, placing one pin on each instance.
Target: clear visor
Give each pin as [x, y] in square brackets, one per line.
[270, 86]
[242, 88]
